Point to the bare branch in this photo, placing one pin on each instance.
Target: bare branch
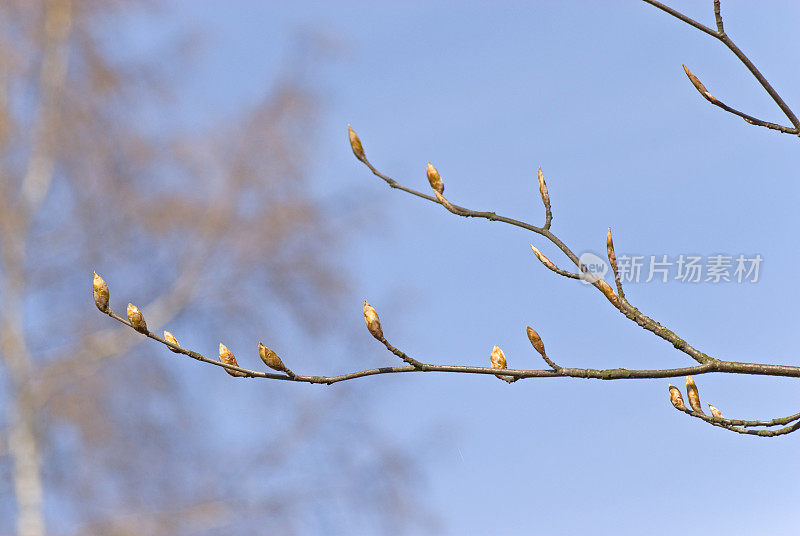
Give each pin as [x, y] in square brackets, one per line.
[728, 42]
[718, 17]
[734, 425]
[623, 306]
[715, 365]
[706, 364]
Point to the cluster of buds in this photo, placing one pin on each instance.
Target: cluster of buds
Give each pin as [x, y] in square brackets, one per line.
[271, 359]
[693, 394]
[227, 357]
[699, 86]
[136, 319]
[100, 293]
[268, 356]
[373, 322]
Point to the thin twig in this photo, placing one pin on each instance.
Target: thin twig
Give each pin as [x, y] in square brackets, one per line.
[624, 307]
[718, 17]
[731, 367]
[728, 42]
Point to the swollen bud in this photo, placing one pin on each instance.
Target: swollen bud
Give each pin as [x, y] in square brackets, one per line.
[434, 178]
[612, 257]
[693, 395]
[136, 319]
[373, 323]
[676, 398]
[544, 260]
[355, 144]
[170, 338]
[227, 357]
[714, 411]
[608, 292]
[100, 293]
[699, 85]
[536, 340]
[270, 358]
[498, 358]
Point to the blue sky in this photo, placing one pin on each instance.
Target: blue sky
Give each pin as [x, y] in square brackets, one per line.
[595, 94]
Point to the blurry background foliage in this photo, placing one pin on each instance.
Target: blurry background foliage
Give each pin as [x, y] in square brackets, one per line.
[206, 219]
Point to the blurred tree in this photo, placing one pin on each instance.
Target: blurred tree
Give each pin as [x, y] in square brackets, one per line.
[96, 172]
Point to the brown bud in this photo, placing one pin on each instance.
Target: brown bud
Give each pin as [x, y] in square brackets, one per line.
[693, 395]
[373, 322]
[270, 358]
[544, 260]
[355, 144]
[170, 338]
[714, 411]
[543, 189]
[136, 319]
[100, 293]
[498, 358]
[227, 357]
[434, 178]
[676, 398]
[612, 257]
[699, 85]
[536, 340]
[608, 292]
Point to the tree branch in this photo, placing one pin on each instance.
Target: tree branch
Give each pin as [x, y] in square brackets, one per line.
[728, 42]
[706, 364]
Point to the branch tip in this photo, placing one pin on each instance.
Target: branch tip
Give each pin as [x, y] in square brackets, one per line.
[699, 86]
[100, 293]
[271, 359]
[373, 322]
[676, 398]
[535, 339]
[434, 178]
[355, 144]
[694, 395]
[544, 260]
